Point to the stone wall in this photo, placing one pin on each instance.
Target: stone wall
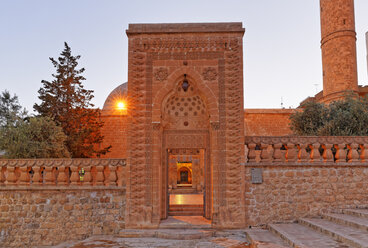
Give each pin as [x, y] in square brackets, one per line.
[115, 134]
[267, 122]
[304, 176]
[45, 202]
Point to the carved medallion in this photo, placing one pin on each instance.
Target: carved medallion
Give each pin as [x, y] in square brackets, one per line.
[161, 74]
[209, 74]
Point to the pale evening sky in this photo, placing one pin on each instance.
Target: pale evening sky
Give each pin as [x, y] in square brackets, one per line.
[282, 57]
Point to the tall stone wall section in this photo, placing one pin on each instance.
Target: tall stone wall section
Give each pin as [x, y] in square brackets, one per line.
[33, 217]
[304, 177]
[46, 202]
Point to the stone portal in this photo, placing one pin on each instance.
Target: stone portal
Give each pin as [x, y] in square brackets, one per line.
[185, 93]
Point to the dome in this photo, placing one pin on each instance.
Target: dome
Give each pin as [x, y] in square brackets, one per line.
[118, 94]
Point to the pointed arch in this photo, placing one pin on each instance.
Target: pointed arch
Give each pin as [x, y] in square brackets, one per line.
[205, 91]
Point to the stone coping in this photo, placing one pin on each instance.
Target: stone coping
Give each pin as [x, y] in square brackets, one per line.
[219, 27]
[320, 164]
[58, 188]
[63, 162]
[269, 111]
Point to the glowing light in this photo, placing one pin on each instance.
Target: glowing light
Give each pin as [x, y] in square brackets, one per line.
[121, 106]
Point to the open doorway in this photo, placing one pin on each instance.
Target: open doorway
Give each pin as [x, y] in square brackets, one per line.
[186, 182]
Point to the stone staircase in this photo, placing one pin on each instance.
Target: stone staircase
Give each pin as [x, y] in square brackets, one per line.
[348, 228]
[186, 210]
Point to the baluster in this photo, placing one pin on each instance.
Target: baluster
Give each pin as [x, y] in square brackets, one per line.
[303, 155]
[353, 155]
[62, 178]
[49, 176]
[106, 173]
[252, 152]
[277, 154]
[37, 176]
[112, 176]
[74, 177]
[292, 152]
[24, 178]
[87, 175]
[11, 179]
[340, 155]
[364, 152]
[265, 155]
[327, 153]
[120, 176]
[2, 175]
[99, 175]
[315, 156]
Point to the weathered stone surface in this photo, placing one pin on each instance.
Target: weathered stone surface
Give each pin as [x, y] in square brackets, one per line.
[48, 217]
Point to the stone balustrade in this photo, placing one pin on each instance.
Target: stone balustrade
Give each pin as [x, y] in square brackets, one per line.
[306, 149]
[62, 172]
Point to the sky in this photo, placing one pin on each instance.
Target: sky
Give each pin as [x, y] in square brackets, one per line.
[282, 57]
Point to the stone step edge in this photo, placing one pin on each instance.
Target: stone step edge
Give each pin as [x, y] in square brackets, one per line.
[337, 236]
[185, 209]
[285, 236]
[185, 227]
[160, 233]
[354, 213]
[186, 214]
[341, 221]
[255, 242]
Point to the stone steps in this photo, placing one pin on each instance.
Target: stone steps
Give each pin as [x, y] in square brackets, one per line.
[356, 212]
[259, 237]
[297, 235]
[349, 220]
[186, 210]
[349, 235]
[349, 228]
[176, 234]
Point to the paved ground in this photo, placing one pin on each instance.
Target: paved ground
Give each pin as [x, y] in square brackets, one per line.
[225, 239]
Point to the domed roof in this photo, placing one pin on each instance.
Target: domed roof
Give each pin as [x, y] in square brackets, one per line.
[118, 94]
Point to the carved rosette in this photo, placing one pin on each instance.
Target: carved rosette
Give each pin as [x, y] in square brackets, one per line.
[209, 74]
[161, 74]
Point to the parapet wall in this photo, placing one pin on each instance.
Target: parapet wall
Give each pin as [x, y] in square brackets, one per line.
[304, 176]
[46, 202]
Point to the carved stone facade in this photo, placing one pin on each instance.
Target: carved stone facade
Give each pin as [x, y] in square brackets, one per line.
[165, 114]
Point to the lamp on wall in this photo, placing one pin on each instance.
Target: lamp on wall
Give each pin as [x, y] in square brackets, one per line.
[185, 84]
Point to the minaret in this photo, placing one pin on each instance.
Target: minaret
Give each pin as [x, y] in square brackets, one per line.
[366, 42]
[338, 46]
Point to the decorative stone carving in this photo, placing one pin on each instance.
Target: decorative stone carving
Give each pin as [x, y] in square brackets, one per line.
[37, 176]
[209, 74]
[62, 177]
[24, 178]
[215, 125]
[353, 155]
[99, 175]
[11, 178]
[49, 175]
[277, 152]
[161, 74]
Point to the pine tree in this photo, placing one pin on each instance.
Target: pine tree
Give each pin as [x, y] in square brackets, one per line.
[65, 101]
[10, 110]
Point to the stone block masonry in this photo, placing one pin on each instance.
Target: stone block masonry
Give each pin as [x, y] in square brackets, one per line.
[31, 218]
[46, 201]
[304, 177]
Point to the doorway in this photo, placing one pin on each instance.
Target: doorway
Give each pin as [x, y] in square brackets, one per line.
[186, 182]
